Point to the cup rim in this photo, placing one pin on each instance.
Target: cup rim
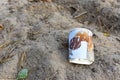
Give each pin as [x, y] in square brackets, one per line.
[82, 29]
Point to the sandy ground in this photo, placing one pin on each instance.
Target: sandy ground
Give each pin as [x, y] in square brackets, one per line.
[35, 36]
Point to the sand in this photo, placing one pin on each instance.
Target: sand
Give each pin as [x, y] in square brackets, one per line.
[35, 36]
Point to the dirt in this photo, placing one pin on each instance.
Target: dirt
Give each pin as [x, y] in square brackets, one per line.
[34, 35]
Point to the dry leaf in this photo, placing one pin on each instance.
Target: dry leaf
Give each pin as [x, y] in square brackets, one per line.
[1, 27]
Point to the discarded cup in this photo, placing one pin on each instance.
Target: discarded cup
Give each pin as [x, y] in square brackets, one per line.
[81, 46]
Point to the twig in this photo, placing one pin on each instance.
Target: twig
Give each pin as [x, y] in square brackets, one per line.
[100, 22]
[4, 45]
[118, 39]
[6, 58]
[48, 78]
[22, 59]
[9, 52]
[79, 15]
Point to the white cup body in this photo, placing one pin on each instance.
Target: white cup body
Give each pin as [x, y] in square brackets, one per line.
[79, 51]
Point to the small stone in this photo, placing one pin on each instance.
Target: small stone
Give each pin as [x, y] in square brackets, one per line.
[93, 70]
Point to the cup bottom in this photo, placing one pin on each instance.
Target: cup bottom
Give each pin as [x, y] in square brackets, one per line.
[81, 61]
